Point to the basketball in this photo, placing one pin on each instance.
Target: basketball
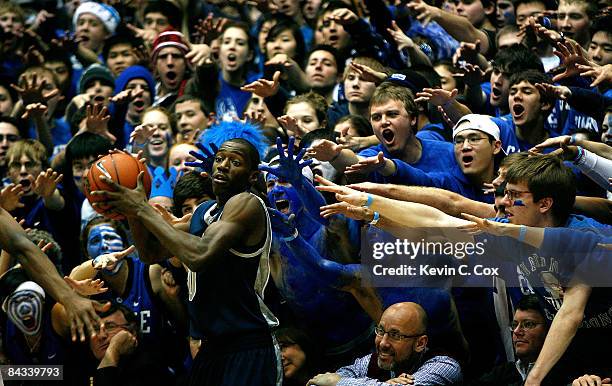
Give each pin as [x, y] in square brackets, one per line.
[123, 169]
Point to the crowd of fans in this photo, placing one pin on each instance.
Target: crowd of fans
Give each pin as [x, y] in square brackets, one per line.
[349, 121]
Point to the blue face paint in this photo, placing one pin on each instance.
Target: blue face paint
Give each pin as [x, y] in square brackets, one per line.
[280, 193]
[518, 203]
[103, 239]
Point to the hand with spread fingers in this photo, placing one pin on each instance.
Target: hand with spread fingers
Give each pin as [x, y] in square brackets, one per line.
[371, 164]
[325, 150]
[263, 87]
[436, 96]
[86, 287]
[425, 12]
[32, 90]
[10, 197]
[46, 182]
[367, 74]
[205, 159]
[290, 167]
[122, 200]
[571, 56]
[600, 74]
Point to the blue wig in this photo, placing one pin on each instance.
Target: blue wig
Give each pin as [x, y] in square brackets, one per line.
[224, 131]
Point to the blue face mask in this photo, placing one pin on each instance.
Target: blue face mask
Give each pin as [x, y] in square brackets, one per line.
[103, 239]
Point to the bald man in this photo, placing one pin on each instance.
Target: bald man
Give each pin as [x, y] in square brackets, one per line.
[401, 355]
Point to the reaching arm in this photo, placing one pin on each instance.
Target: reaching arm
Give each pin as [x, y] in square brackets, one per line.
[448, 202]
[563, 328]
[80, 311]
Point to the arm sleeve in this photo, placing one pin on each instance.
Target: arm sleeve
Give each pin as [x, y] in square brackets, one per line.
[439, 370]
[597, 168]
[355, 374]
[409, 175]
[589, 102]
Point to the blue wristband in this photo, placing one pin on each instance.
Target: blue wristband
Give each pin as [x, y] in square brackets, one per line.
[292, 237]
[369, 201]
[375, 219]
[522, 233]
[579, 154]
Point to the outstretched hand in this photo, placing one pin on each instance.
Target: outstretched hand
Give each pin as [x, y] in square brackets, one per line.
[368, 165]
[290, 166]
[109, 261]
[206, 158]
[86, 287]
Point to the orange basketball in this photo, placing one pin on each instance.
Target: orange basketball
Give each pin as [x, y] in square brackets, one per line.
[123, 169]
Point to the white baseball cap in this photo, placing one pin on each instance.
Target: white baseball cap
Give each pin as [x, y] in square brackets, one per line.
[477, 122]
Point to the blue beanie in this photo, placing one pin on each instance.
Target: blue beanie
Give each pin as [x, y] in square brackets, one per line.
[134, 72]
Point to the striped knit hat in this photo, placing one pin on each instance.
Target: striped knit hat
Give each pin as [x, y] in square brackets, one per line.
[169, 38]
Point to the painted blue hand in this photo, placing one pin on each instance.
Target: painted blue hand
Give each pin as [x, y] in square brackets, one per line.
[206, 157]
[289, 168]
[282, 225]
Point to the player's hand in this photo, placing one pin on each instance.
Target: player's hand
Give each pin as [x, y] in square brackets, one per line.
[122, 200]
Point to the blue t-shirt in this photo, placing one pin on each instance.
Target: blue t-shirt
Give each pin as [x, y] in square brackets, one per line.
[232, 101]
[564, 120]
[434, 132]
[435, 155]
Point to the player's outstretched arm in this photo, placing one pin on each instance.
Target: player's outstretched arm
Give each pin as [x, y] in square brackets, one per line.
[81, 312]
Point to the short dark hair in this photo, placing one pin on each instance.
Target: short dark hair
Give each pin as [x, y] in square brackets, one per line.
[168, 9]
[531, 303]
[188, 98]
[122, 38]
[86, 145]
[388, 91]
[286, 24]
[602, 23]
[534, 77]
[547, 176]
[190, 185]
[517, 58]
[332, 50]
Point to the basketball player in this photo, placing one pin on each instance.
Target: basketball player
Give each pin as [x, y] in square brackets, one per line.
[228, 268]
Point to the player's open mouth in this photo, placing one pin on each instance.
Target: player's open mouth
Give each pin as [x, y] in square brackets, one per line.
[231, 58]
[220, 178]
[171, 75]
[496, 92]
[99, 99]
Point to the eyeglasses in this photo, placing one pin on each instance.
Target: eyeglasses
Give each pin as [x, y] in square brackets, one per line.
[110, 327]
[394, 335]
[472, 140]
[28, 165]
[514, 194]
[524, 325]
